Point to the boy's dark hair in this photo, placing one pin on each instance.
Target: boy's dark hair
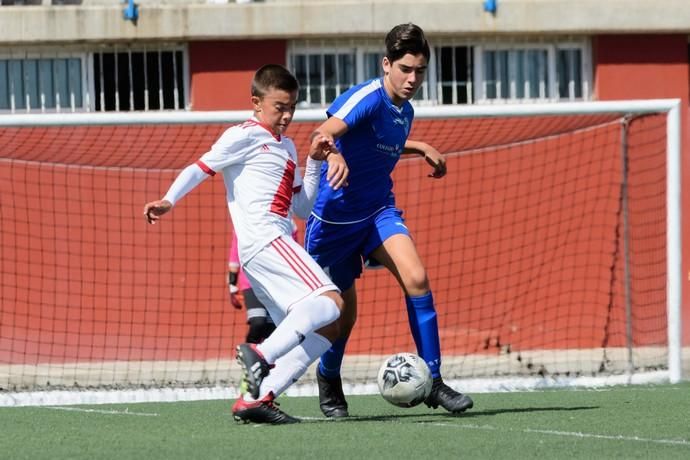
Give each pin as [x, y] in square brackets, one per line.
[404, 39]
[273, 76]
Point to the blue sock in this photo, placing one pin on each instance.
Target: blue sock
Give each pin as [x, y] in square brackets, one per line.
[332, 359]
[424, 327]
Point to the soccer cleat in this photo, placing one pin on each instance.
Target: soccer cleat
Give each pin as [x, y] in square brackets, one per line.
[331, 396]
[262, 411]
[254, 368]
[444, 396]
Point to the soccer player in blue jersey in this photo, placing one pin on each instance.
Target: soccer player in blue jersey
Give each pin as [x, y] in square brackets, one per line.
[370, 124]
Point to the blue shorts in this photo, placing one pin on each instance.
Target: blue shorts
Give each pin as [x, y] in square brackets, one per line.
[342, 248]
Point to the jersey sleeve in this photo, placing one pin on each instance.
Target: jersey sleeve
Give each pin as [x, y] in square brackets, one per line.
[357, 106]
[228, 149]
[304, 196]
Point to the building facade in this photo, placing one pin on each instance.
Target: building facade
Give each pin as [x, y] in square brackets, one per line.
[103, 55]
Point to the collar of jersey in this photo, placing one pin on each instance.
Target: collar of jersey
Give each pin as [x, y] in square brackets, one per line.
[257, 122]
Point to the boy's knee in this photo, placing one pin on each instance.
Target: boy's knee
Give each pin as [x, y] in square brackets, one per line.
[337, 298]
[416, 282]
[330, 331]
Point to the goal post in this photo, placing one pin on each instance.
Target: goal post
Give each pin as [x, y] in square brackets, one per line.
[553, 248]
[671, 107]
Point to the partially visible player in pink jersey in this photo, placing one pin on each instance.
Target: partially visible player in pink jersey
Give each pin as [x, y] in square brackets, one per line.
[263, 186]
[242, 295]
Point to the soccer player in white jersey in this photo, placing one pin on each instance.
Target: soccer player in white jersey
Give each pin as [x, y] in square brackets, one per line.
[371, 123]
[263, 183]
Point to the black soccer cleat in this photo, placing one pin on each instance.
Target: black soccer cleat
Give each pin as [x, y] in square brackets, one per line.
[254, 367]
[262, 411]
[444, 396]
[331, 396]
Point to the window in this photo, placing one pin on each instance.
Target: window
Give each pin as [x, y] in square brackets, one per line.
[460, 71]
[139, 80]
[371, 62]
[513, 74]
[325, 69]
[112, 78]
[38, 83]
[454, 70]
[323, 75]
[531, 72]
[40, 2]
[569, 72]
[21, 2]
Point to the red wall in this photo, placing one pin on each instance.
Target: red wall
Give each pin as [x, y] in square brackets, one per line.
[221, 72]
[643, 67]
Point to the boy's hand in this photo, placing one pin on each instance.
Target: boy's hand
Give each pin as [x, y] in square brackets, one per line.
[234, 290]
[155, 209]
[436, 161]
[323, 148]
[337, 170]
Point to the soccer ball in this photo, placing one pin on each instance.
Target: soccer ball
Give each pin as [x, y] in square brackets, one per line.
[404, 380]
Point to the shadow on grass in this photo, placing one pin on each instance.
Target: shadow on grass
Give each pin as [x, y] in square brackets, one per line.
[445, 415]
[476, 413]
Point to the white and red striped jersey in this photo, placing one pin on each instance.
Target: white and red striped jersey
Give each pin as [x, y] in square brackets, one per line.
[261, 176]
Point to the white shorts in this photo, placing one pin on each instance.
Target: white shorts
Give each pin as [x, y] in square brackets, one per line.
[283, 273]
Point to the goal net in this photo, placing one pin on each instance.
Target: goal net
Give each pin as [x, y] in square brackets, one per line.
[552, 247]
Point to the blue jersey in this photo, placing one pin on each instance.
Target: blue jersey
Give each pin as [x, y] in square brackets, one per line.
[372, 145]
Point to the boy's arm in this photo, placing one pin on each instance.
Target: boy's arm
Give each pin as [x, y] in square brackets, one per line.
[430, 154]
[188, 179]
[332, 129]
[303, 202]
[321, 149]
[234, 272]
[323, 146]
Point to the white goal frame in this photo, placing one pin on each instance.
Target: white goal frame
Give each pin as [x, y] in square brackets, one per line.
[671, 107]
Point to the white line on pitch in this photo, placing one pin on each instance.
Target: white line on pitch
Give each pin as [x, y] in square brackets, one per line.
[102, 411]
[678, 442]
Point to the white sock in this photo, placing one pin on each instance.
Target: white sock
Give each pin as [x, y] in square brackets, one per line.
[290, 367]
[305, 317]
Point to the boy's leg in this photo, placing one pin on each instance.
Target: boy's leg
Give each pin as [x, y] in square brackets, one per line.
[298, 294]
[421, 315]
[288, 369]
[331, 396]
[293, 365]
[424, 327]
[260, 327]
[306, 316]
[332, 359]
[260, 323]
[399, 255]
[336, 247]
